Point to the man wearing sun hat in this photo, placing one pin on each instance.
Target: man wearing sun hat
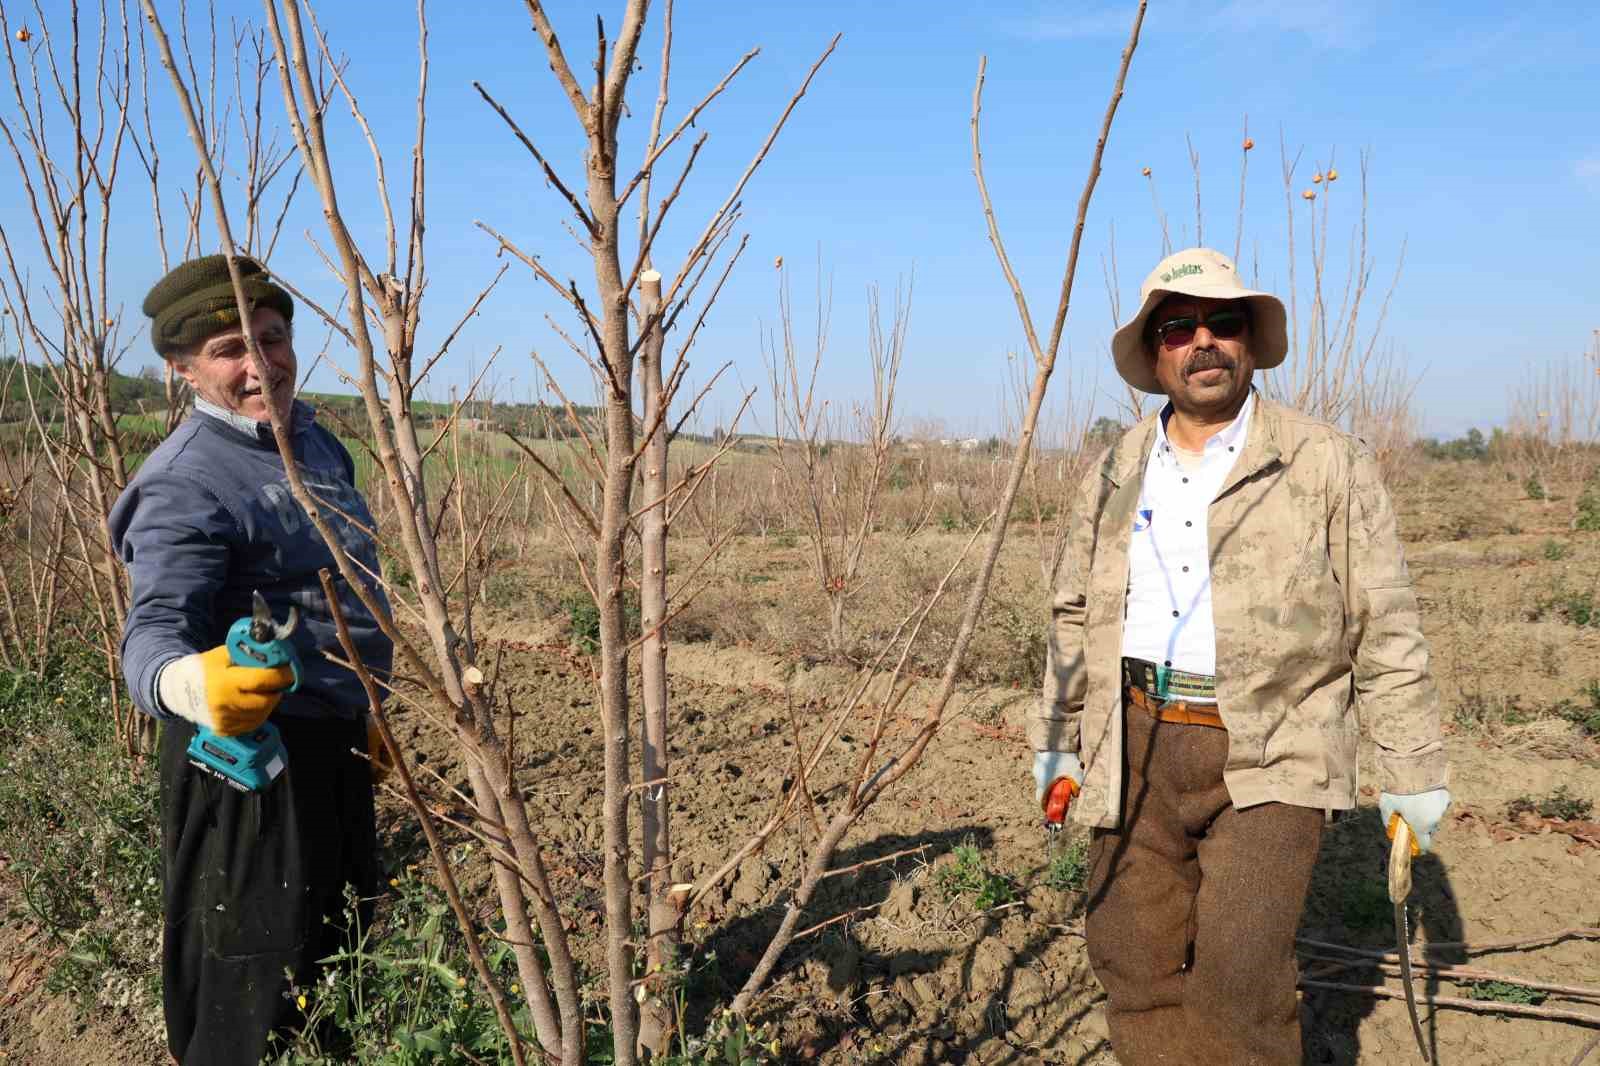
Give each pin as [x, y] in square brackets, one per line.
[1232, 608]
[253, 881]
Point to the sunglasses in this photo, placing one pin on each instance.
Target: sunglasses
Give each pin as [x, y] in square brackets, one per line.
[1224, 325]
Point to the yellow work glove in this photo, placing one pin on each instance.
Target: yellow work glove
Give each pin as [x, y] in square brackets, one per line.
[208, 690]
[378, 752]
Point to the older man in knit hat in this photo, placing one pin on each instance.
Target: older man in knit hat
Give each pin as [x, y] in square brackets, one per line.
[254, 881]
[1233, 601]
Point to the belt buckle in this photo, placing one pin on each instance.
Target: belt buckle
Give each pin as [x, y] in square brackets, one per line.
[1163, 683]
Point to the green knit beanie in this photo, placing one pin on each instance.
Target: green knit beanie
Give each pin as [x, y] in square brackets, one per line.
[195, 300]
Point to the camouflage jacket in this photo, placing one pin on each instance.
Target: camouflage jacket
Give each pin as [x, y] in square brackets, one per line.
[1315, 620]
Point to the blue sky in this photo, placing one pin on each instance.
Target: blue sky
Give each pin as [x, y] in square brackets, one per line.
[1479, 120]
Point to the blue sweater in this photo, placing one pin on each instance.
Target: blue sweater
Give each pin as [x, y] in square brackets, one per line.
[209, 519]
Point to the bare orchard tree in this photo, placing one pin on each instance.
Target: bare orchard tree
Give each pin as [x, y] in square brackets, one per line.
[384, 290]
[70, 81]
[835, 464]
[447, 677]
[76, 121]
[1335, 332]
[876, 696]
[1064, 451]
[614, 456]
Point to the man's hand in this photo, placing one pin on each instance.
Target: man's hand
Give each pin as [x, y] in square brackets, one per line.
[208, 690]
[378, 753]
[1049, 767]
[1422, 812]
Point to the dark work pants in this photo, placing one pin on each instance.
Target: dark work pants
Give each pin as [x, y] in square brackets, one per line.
[1193, 906]
[249, 879]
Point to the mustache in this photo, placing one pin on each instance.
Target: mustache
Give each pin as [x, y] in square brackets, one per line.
[1208, 359]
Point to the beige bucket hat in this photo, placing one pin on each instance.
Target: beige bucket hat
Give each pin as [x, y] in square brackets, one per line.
[1198, 272]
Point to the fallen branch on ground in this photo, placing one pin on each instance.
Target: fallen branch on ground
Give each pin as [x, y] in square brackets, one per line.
[1488, 1006]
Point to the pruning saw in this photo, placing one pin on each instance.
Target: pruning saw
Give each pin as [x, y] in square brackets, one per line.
[1401, 850]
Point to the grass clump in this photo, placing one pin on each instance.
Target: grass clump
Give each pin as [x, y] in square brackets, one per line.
[583, 619]
[1068, 870]
[81, 829]
[1560, 804]
[403, 992]
[1573, 606]
[1585, 711]
[1588, 516]
[1504, 992]
[1555, 551]
[969, 877]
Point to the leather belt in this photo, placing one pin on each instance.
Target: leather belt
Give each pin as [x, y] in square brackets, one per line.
[1181, 712]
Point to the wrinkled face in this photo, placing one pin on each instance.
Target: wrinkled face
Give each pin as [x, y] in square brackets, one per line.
[220, 369]
[1200, 372]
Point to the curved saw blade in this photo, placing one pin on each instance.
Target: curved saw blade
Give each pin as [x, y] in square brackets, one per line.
[1400, 852]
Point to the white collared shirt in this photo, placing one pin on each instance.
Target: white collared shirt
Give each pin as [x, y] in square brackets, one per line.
[1168, 615]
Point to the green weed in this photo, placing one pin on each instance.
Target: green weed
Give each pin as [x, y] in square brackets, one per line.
[1504, 992]
[1478, 712]
[80, 828]
[1588, 516]
[1534, 487]
[403, 993]
[1574, 606]
[1555, 550]
[583, 619]
[728, 1041]
[970, 877]
[1585, 713]
[1558, 804]
[1068, 870]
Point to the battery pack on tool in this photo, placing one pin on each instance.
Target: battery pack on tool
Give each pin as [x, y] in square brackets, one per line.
[251, 761]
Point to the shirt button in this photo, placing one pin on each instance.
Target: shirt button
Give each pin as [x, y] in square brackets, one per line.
[1168, 662]
[1230, 447]
[1185, 481]
[1174, 614]
[1188, 523]
[1186, 569]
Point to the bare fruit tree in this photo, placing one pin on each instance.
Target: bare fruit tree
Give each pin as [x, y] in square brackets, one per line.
[444, 677]
[629, 316]
[66, 330]
[835, 464]
[81, 116]
[876, 697]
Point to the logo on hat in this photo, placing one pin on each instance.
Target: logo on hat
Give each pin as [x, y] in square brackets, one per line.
[1183, 271]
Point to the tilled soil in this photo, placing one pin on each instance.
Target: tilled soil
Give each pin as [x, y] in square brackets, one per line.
[913, 975]
[905, 972]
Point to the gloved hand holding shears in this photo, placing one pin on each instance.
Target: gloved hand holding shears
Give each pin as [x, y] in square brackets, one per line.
[208, 690]
[1057, 777]
[231, 689]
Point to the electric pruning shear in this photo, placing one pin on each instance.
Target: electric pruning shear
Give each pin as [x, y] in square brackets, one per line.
[251, 761]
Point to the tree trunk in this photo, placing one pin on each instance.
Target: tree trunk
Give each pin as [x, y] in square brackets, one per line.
[664, 912]
[610, 574]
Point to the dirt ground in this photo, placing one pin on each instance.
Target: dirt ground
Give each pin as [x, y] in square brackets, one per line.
[913, 976]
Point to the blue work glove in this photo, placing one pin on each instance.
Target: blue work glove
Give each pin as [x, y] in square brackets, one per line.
[1422, 812]
[1051, 766]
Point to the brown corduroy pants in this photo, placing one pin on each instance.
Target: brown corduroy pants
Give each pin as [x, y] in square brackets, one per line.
[1193, 906]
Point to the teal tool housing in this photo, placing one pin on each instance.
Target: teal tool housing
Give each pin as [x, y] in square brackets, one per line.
[251, 761]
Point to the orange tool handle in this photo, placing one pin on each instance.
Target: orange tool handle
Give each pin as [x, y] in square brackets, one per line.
[1395, 822]
[1056, 800]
